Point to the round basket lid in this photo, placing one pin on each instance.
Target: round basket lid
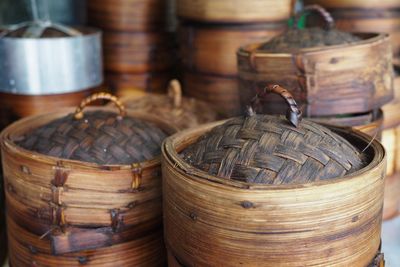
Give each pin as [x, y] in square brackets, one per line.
[101, 137]
[173, 108]
[296, 38]
[273, 150]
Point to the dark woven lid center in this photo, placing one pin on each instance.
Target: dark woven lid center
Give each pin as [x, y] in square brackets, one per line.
[266, 149]
[98, 138]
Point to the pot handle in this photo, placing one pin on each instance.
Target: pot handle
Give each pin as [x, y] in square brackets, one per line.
[330, 22]
[175, 93]
[102, 95]
[293, 114]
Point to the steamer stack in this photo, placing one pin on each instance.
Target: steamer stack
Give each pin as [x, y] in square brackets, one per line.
[209, 34]
[138, 50]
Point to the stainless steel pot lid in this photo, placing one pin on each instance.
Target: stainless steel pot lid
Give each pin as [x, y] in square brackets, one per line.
[42, 58]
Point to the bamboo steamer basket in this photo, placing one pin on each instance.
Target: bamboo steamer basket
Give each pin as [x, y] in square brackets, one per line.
[127, 15]
[355, 3]
[212, 49]
[124, 83]
[219, 91]
[211, 221]
[137, 52]
[237, 11]
[341, 79]
[182, 112]
[370, 123]
[75, 212]
[391, 141]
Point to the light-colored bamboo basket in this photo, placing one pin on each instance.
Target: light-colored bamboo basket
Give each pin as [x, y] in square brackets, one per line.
[137, 52]
[127, 15]
[212, 49]
[341, 79]
[123, 83]
[74, 206]
[210, 221]
[235, 11]
[221, 92]
[370, 123]
[391, 142]
[182, 112]
[355, 3]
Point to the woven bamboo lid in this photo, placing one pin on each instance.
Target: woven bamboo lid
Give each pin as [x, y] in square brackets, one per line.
[273, 150]
[180, 111]
[101, 137]
[296, 39]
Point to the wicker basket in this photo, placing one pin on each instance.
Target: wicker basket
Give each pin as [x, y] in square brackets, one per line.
[127, 15]
[366, 16]
[211, 49]
[236, 11]
[137, 52]
[212, 221]
[341, 79]
[72, 212]
[122, 83]
[219, 91]
[182, 112]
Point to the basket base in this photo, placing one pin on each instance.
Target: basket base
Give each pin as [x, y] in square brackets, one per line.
[379, 261]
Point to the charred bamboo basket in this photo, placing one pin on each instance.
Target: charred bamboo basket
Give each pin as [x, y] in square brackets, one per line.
[127, 15]
[123, 83]
[182, 112]
[213, 221]
[219, 91]
[237, 11]
[72, 212]
[330, 80]
[137, 52]
[366, 16]
[212, 49]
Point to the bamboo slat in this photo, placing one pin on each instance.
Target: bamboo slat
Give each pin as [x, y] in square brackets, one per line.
[236, 11]
[342, 79]
[79, 206]
[127, 15]
[137, 52]
[219, 91]
[123, 83]
[212, 49]
[211, 221]
[182, 112]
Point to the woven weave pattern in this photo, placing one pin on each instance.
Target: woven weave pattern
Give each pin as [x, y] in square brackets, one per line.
[266, 149]
[98, 138]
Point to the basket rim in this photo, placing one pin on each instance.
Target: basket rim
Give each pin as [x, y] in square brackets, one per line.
[252, 49]
[171, 156]
[7, 142]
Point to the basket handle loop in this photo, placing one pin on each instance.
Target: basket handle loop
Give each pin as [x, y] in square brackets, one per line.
[330, 22]
[293, 114]
[102, 95]
[175, 93]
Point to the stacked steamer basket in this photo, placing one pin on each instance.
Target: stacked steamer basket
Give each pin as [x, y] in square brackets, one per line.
[84, 188]
[339, 78]
[44, 67]
[366, 16]
[391, 141]
[209, 35]
[138, 50]
[262, 190]
[181, 112]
